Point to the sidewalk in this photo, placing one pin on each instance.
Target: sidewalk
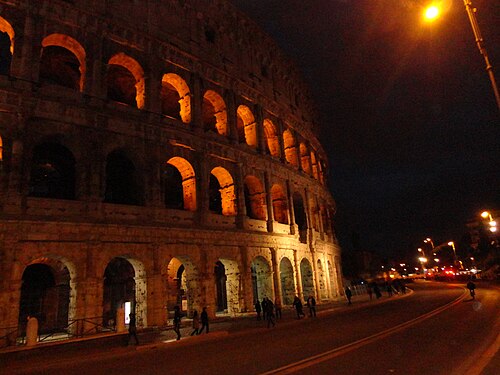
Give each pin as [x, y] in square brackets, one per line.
[17, 357]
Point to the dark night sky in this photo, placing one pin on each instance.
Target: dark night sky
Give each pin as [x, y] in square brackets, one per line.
[408, 114]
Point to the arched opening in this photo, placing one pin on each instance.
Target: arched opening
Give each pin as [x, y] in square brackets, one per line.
[125, 81]
[52, 172]
[333, 284]
[323, 293]
[46, 293]
[305, 158]
[280, 204]
[307, 276]
[62, 62]
[175, 98]
[183, 285]
[227, 282]
[221, 192]
[180, 184]
[273, 144]
[314, 165]
[287, 281]
[255, 198]
[300, 216]
[124, 282]
[262, 281]
[122, 180]
[214, 113]
[290, 148]
[6, 46]
[247, 128]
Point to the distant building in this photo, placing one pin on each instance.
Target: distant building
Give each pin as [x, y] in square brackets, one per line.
[154, 153]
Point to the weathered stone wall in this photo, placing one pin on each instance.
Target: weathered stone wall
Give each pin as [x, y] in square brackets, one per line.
[184, 48]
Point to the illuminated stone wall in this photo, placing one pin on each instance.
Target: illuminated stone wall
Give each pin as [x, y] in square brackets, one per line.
[156, 153]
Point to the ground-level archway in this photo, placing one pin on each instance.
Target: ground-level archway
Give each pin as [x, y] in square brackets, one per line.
[227, 284]
[47, 293]
[262, 281]
[307, 276]
[287, 281]
[183, 285]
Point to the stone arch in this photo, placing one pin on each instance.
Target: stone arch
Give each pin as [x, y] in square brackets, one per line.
[187, 181]
[262, 280]
[300, 216]
[305, 158]
[307, 278]
[333, 283]
[273, 144]
[287, 281]
[255, 198]
[247, 128]
[183, 284]
[125, 80]
[222, 190]
[6, 46]
[323, 292]
[290, 148]
[124, 281]
[227, 280]
[52, 172]
[280, 204]
[214, 113]
[48, 292]
[62, 66]
[314, 165]
[122, 180]
[175, 97]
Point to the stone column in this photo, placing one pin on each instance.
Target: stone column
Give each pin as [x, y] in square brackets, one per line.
[202, 188]
[276, 277]
[294, 230]
[298, 275]
[269, 202]
[231, 116]
[246, 281]
[240, 198]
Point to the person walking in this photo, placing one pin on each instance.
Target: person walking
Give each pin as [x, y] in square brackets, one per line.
[369, 291]
[270, 313]
[264, 308]
[204, 321]
[376, 290]
[311, 303]
[277, 308]
[297, 303]
[177, 321]
[132, 329]
[258, 309]
[348, 295]
[196, 323]
[472, 289]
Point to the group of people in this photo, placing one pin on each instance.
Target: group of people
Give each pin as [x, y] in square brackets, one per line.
[310, 303]
[270, 311]
[197, 319]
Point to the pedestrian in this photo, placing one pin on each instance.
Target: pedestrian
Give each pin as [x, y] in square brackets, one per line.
[348, 294]
[177, 321]
[258, 309]
[388, 287]
[132, 329]
[204, 320]
[264, 307]
[277, 308]
[196, 323]
[297, 303]
[376, 290]
[270, 313]
[472, 289]
[311, 303]
[369, 290]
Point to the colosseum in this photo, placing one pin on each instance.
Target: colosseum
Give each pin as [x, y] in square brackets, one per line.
[153, 154]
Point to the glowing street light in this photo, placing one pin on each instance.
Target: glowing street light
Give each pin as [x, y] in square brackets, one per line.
[432, 12]
[492, 223]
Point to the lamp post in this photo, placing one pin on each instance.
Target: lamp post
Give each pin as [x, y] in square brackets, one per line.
[432, 12]
[452, 244]
[492, 223]
[471, 12]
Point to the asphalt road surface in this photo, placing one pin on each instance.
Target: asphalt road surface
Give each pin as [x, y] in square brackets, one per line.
[438, 329]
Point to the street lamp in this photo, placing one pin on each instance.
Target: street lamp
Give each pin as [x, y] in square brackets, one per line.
[432, 12]
[422, 261]
[492, 223]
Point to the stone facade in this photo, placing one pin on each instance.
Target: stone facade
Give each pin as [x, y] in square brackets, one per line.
[156, 153]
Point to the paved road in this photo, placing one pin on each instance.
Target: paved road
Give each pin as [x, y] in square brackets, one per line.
[432, 330]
